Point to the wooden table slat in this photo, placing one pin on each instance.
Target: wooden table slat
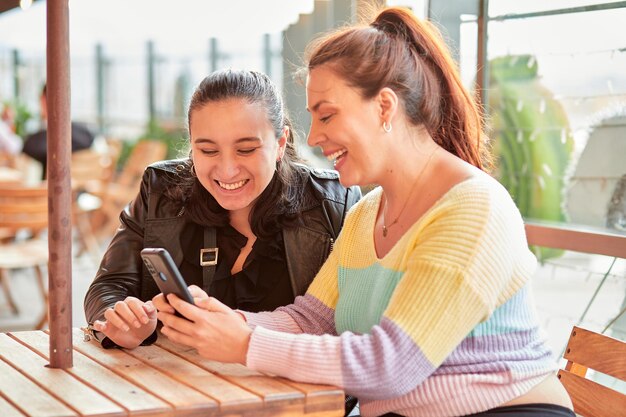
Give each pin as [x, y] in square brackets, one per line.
[231, 397]
[274, 392]
[229, 369]
[127, 395]
[30, 397]
[187, 401]
[8, 410]
[57, 382]
[319, 398]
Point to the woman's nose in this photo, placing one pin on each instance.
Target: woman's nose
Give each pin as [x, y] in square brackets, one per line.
[315, 137]
[228, 168]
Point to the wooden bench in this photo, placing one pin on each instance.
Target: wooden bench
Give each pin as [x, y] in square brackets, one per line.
[589, 350]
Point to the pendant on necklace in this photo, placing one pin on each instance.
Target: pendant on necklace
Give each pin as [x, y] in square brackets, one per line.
[384, 231]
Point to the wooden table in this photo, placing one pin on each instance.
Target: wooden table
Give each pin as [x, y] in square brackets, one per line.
[150, 381]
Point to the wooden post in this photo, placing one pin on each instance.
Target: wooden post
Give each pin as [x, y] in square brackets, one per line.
[59, 186]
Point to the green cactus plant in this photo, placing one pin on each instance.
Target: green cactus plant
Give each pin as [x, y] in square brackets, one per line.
[532, 141]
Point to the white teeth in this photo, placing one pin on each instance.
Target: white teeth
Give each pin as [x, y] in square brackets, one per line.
[336, 155]
[232, 186]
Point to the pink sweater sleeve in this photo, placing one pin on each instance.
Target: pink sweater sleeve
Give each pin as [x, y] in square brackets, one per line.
[279, 321]
[306, 358]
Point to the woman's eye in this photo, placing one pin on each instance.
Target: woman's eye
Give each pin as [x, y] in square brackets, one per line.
[209, 152]
[325, 119]
[246, 151]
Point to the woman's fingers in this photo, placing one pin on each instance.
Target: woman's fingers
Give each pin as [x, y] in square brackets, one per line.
[150, 310]
[178, 337]
[160, 303]
[188, 311]
[181, 324]
[139, 315]
[212, 304]
[197, 292]
[114, 319]
[100, 326]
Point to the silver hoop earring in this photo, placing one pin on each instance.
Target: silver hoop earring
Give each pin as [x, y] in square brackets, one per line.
[387, 127]
[192, 170]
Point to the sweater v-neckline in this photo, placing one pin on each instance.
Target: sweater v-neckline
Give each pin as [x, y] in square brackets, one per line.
[376, 201]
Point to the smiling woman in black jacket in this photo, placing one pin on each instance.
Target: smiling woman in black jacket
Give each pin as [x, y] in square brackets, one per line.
[243, 191]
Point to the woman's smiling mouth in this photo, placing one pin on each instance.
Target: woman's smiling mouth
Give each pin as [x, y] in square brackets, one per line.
[232, 185]
[336, 156]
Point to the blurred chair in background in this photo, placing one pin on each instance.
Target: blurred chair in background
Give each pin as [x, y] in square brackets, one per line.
[23, 218]
[91, 170]
[125, 186]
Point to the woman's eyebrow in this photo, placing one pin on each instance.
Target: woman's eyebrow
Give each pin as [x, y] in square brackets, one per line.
[238, 141]
[317, 106]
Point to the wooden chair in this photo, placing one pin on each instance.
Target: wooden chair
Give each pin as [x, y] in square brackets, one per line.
[24, 210]
[125, 186]
[7, 160]
[143, 154]
[589, 350]
[91, 170]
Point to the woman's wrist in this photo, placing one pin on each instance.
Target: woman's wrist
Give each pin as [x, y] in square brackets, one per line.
[243, 316]
[246, 347]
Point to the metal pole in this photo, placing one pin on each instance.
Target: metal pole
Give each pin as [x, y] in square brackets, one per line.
[59, 187]
[214, 54]
[16, 75]
[267, 54]
[569, 10]
[482, 64]
[100, 86]
[151, 99]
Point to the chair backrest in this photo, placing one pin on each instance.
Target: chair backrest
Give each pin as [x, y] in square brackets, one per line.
[143, 154]
[7, 159]
[589, 350]
[24, 208]
[90, 166]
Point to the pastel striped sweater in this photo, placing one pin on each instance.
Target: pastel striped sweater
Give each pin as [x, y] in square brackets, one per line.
[443, 325]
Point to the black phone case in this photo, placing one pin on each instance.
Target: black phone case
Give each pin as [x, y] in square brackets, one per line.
[165, 273]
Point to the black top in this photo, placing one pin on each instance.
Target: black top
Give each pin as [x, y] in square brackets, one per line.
[36, 144]
[263, 283]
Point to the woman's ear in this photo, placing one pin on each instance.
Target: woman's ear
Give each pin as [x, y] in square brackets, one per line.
[387, 101]
[282, 143]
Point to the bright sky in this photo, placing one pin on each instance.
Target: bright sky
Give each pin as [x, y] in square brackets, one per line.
[179, 26]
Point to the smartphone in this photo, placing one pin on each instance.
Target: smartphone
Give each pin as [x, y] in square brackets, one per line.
[165, 273]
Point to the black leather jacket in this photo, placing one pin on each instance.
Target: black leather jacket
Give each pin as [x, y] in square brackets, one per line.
[154, 220]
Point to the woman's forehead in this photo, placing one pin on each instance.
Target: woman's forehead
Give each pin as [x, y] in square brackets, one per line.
[229, 121]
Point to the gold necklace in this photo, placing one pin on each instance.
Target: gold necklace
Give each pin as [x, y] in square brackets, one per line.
[419, 177]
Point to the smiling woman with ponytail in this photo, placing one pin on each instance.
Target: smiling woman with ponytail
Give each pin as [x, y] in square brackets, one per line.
[424, 306]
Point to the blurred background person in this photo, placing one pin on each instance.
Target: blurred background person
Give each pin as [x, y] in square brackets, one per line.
[36, 144]
[10, 143]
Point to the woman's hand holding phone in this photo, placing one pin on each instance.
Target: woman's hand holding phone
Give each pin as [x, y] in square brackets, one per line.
[212, 328]
[129, 322]
[160, 302]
